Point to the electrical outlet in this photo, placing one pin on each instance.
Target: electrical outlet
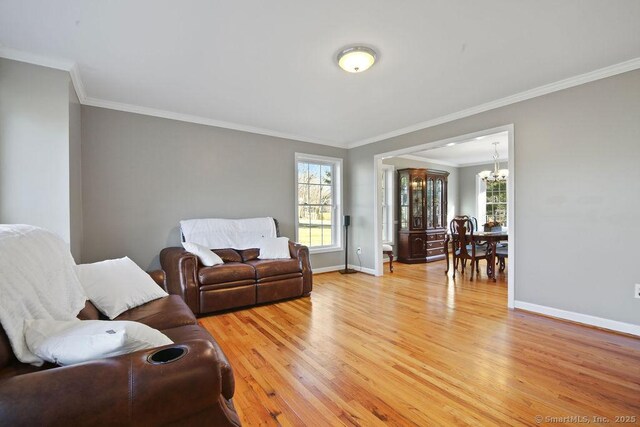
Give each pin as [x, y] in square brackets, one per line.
[637, 294]
[359, 251]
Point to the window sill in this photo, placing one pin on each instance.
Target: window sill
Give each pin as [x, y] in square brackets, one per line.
[325, 250]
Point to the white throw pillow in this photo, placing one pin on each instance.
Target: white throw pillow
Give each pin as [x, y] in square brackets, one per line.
[274, 248]
[76, 341]
[206, 256]
[117, 285]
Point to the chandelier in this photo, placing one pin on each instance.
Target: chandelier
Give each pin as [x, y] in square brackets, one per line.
[497, 174]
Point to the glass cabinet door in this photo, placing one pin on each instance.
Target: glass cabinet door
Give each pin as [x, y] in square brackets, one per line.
[404, 201]
[437, 204]
[417, 189]
[429, 203]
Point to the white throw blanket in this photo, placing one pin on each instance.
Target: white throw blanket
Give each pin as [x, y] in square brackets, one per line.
[217, 233]
[37, 281]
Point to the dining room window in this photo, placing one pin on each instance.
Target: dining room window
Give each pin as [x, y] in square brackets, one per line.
[492, 202]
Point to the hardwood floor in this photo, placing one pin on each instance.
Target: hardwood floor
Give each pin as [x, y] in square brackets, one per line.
[416, 348]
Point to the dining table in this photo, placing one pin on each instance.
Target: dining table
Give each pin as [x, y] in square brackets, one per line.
[492, 238]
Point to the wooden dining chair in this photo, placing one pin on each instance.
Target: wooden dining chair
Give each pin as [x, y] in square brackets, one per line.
[455, 241]
[464, 247]
[502, 252]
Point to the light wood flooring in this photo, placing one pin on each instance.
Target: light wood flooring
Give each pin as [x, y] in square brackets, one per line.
[417, 348]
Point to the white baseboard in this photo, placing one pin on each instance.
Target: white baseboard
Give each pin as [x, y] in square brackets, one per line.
[587, 319]
[340, 267]
[363, 269]
[326, 269]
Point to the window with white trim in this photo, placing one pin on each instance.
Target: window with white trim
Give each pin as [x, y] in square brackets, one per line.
[492, 202]
[319, 202]
[386, 202]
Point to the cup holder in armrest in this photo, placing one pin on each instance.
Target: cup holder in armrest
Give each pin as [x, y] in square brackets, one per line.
[167, 355]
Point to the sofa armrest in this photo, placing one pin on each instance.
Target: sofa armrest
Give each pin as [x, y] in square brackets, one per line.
[181, 270]
[123, 390]
[301, 253]
[159, 277]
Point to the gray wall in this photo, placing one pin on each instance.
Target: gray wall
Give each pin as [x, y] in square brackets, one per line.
[577, 182]
[34, 146]
[467, 187]
[141, 175]
[75, 173]
[452, 185]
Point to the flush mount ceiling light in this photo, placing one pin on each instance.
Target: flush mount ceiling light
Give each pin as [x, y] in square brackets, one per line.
[356, 59]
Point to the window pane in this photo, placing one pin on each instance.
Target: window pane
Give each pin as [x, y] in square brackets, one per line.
[316, 235]
[303, 172]
[327, 235]
[303, 194]
[303, 215]
[489, 212]
[326, 173]
[304, 231]
[314, 195]
[326, 197]
[303, 235]
[314, 173]
[327, 217]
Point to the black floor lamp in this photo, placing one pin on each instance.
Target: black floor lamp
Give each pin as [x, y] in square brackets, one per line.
[347, 270]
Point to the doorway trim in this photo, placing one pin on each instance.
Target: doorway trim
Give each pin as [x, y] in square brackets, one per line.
[377, 167]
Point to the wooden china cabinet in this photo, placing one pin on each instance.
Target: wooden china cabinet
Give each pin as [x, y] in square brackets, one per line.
[422, 214]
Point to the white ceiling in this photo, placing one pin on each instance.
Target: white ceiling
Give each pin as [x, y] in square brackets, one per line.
[269, 66]
[466, 153]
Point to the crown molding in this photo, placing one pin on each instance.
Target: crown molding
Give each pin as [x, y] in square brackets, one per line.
[46, 61]
[622, 67]
[147, 111]
[74, 72]
[72, 68]
[483, 163]
[428, 160]
[32, 58]
[76, 79]
[445, 163]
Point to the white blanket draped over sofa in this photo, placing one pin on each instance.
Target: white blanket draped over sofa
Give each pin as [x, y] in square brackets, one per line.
[219, 233]
[37, 281]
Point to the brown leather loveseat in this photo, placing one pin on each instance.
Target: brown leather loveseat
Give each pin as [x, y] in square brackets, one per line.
[187, 383]
[242, 280]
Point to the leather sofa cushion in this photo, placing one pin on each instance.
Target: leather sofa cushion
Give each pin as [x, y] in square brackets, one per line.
[275, 267]
[163, 313]
[6, 352]
[279, 289]
[228, 255]
[228, 297]
[249, 254]
[196, 332]
[89, 312]
[228, 272]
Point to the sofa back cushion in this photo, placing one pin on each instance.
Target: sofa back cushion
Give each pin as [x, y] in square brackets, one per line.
[249, 254]
[90, 312]
[228, 255]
